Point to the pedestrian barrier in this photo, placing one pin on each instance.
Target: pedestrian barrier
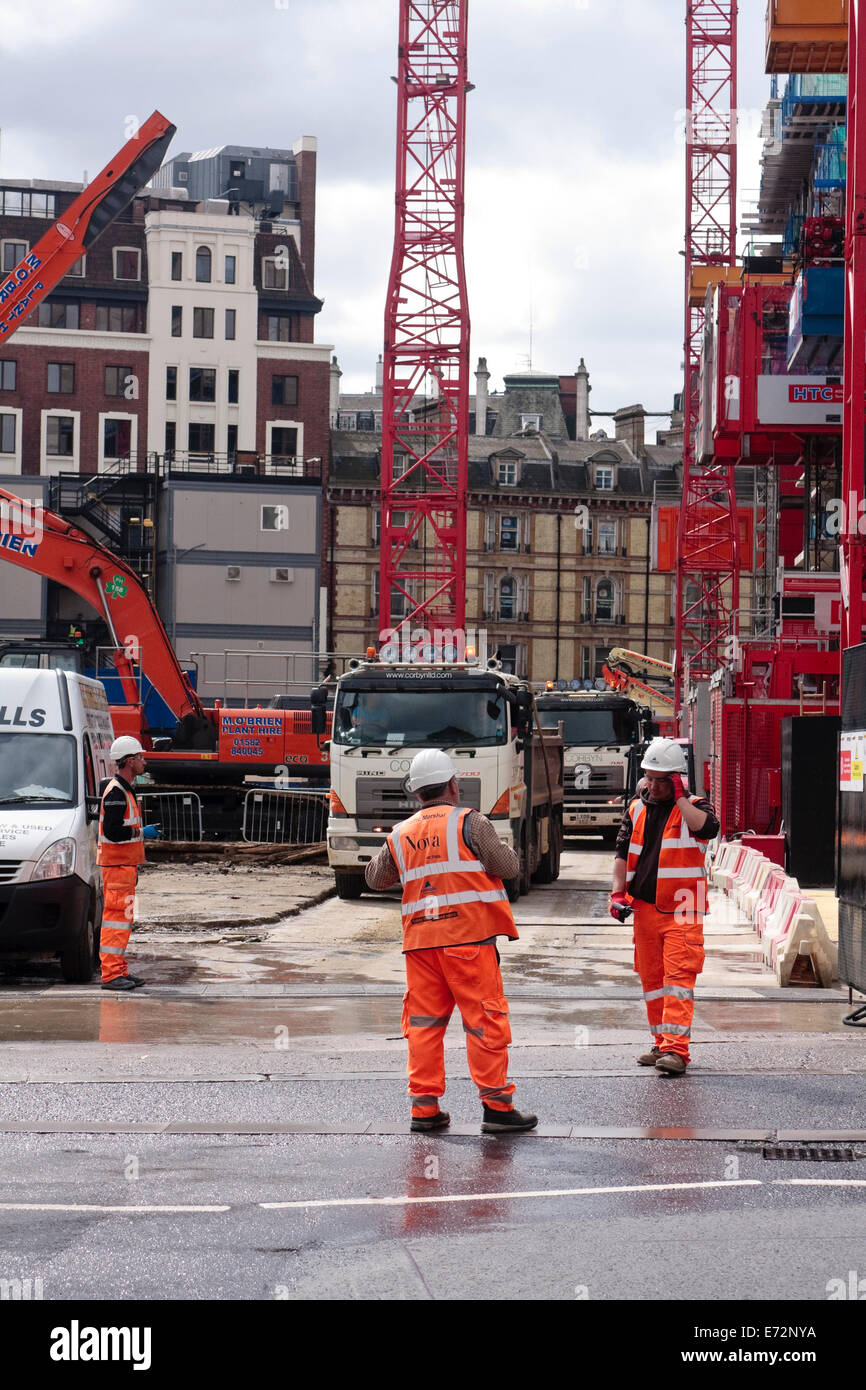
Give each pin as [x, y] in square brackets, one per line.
[288, 816]
[178, 814]
[787, 921]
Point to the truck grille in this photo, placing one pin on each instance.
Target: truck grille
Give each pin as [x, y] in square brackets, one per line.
[384, 801]
[601, 779]
[10, 869]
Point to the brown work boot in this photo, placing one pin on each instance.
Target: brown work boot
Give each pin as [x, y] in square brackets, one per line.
[671, 1064]
[420, 1124]
[649, 1059]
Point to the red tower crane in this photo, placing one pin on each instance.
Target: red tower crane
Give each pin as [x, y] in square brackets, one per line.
[854, 370]
[424, 461]
[707, 584]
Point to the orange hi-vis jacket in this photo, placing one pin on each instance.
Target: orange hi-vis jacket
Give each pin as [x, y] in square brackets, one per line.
[681, 882]
[111, 853]
[449, 898]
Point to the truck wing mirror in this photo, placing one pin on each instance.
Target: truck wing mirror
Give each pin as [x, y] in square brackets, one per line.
[319, 712]
[91, 806]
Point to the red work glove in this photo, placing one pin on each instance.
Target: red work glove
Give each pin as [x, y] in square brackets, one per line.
[678, 786]
[618, 906]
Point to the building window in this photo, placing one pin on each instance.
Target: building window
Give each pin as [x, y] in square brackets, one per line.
[201, 439]
[117, 380]
[60, 435]
[203, 265]
[606, 538]
[601, 658]
[399, 466]
[604, 601]
[202, 323]
[274, 518]
[231, 319]
[231, 269]
[12, 252]
[127, 263]
[508, 532]
[116, 318]
[176, 321]
[170, 439]
[231, 440]
[202, 383]
[284, 390]
[117, 439]
[530, 422]
[508, 598]
[604, 478]
[284, 442]
[76, 270]
[275, 273]
[171, 383]
[506, 472]
[586, 663]
[279, 328]
[16, 204]
[366, 420]
[177, 265]
[586, 612]
[53, 315]
[234, 379]
[346, 421]
[61, 378]
[7, 434]
[8, 376]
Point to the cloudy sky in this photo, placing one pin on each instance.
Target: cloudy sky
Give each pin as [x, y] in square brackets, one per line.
[575, 168]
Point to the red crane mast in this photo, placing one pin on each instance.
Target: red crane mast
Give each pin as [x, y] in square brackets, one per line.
[424, 461]
[854, 370]
[707, 583]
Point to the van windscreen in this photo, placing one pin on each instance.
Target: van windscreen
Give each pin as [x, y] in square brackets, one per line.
[37, 769]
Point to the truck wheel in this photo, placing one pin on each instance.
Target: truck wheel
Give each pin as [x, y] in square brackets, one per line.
[349, 886]
[558, 843]
[548, 864]
[525, 875]
[608, 836]
[78, 961]
[512, 888]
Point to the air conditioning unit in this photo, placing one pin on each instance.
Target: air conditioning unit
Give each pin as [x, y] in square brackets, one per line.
[281, 575]
[233, 574]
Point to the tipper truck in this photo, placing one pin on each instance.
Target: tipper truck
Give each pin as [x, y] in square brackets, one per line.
[508, 768]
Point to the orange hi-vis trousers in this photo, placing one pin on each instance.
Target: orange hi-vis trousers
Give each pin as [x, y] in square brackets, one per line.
[668, 956]
[436, 980]
[118, 881]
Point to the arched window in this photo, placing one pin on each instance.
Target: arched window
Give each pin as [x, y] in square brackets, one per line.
[507, 597]
[203, 265]
[604, 601]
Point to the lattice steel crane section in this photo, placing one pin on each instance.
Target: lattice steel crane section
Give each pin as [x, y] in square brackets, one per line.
[424, 462]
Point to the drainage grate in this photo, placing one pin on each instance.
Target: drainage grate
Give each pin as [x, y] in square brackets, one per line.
[806, 1153]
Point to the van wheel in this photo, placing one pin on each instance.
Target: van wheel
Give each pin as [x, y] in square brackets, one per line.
[78, 961]
[349, 886]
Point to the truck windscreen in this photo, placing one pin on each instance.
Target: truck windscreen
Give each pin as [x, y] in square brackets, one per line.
[419, 718]
[37, 769]
[592, 727]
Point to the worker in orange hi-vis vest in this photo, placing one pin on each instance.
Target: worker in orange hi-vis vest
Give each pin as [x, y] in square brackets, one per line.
[659, 872]
[451, 863]
[119, 852]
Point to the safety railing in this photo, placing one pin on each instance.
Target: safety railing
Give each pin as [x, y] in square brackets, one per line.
[285, 816]
[178, 815]
[251, 677]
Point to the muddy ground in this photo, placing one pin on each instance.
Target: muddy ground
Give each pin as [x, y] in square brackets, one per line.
[204, 896]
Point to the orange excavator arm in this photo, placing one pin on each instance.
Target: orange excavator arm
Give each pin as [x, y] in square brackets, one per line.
[42, 542]
[99, 204]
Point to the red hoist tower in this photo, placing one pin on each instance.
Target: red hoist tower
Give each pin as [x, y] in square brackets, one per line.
[707, 588]
[424, 460]
[854, 371]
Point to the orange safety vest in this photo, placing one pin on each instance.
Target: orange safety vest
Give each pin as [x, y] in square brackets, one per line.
[109, 852]
[449, 898]
[681, 861]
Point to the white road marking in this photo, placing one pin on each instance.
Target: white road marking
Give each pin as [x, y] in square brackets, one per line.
[511, 1196]
[819, 1182]
[82, 1206]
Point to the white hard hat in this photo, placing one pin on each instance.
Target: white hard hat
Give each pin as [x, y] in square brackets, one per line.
[430, 768]
[664, 755]
[125, 747]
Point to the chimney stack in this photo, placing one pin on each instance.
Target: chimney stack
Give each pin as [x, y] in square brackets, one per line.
[581, 402]
[380, 376]
[482, 378]
[334, 400]
[630, 426]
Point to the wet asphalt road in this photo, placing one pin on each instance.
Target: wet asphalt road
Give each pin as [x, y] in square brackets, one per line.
[240, 1130]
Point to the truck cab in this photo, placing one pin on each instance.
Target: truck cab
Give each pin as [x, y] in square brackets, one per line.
[55, 736]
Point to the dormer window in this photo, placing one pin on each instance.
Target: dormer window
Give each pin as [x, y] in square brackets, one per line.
[604, 477]
[506, 472]
[530, 422]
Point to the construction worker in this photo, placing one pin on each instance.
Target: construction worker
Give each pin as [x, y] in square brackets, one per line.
[451, 864]
[659, 871]
[119, 852]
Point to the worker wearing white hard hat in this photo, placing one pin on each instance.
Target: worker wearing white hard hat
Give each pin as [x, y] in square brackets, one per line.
[120, 850]
[451, 864]
[659, 873]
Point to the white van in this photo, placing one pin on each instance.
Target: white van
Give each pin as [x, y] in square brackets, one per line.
[55, 736]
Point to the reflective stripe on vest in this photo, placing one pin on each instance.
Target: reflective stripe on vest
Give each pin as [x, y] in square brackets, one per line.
[448, 896]
[127, 852]
[681, 875]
